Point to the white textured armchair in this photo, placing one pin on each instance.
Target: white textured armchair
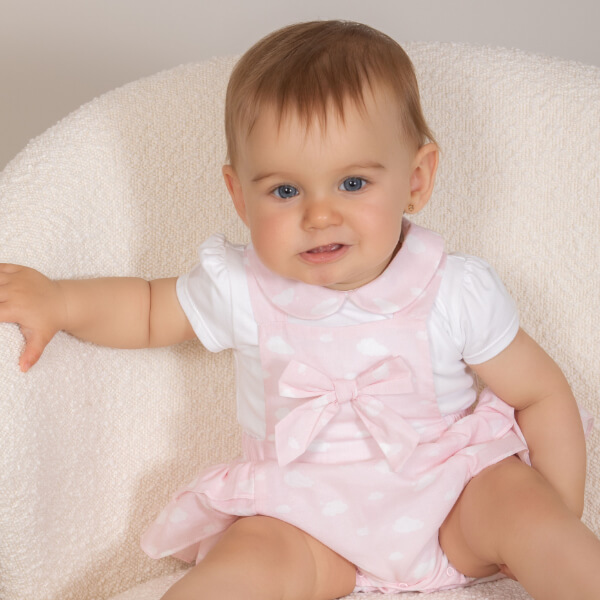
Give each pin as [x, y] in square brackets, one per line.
[93, 441]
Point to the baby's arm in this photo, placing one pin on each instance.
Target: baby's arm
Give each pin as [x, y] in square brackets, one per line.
[525, 377]
[116, 312]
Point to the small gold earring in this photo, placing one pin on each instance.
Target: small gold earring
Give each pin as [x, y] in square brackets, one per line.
[410, 208]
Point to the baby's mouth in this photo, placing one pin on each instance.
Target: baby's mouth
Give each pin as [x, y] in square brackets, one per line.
[325, 254]
[328, 248]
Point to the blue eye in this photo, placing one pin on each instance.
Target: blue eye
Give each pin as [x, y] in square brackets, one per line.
[352, 184]
[285, 191]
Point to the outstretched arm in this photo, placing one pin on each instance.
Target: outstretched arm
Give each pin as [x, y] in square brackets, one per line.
[525, 377]
[116, 312]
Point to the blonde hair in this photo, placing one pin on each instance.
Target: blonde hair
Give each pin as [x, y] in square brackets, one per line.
[309, 67]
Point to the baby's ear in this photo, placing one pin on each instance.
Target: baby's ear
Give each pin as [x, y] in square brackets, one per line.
[234, 187]
[422, 178]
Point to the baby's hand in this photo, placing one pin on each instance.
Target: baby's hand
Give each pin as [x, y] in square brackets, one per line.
[36, 304]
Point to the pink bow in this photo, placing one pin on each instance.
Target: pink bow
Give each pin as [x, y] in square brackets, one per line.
[294, 433]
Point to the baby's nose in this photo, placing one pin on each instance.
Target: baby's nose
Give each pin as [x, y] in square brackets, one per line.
[321, 213]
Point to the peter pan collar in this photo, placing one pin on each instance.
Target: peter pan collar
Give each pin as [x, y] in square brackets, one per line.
[405, 278]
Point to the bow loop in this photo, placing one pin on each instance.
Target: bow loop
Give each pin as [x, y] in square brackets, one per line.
[296, 431]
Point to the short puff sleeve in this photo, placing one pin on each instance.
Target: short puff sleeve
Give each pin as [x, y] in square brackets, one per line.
[488, 320]
[205, 295]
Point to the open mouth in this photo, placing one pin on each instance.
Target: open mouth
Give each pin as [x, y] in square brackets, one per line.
[323, 254]
[328, 248]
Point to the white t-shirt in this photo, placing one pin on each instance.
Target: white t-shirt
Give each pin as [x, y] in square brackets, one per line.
[473, 319]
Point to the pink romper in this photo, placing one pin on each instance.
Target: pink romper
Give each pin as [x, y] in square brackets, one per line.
[356, 452]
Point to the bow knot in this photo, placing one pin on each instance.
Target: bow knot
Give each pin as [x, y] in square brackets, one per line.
[345, 390]
[323, 397]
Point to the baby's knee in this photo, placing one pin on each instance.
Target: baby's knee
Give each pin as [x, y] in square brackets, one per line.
[304, 567]
[256, 558]
[516, 488]
[275, 542]
[499, 504]
[513, 500]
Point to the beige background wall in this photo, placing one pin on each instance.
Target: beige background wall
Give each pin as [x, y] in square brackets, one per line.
[57, 54]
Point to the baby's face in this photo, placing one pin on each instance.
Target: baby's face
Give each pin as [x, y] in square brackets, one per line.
[325, 207]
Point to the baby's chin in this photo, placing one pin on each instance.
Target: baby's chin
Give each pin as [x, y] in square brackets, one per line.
[339, 285]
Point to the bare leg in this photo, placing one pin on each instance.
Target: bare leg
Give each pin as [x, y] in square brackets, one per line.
[509, 515]
[260, 558]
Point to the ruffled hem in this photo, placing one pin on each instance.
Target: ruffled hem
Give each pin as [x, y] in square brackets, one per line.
[480, 438]
[492, 432]
[200, 512]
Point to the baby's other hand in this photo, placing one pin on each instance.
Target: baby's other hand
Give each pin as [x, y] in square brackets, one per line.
[36, 304]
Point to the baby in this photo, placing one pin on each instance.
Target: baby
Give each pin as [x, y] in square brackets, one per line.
[364, 465]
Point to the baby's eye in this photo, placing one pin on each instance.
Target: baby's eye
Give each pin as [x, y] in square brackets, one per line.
[285, 191]
[352, 184]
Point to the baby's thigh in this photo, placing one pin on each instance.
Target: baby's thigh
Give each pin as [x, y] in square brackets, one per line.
[264, 558]
[489, 509]
[307, 568]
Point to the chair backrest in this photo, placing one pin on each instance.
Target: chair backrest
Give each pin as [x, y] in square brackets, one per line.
[93, 441]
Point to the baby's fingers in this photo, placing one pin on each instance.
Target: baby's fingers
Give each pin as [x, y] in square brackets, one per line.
[7, 273]
[10, 307]
[8, 268]
[10, 278]
[5, 276]
[35, 343]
